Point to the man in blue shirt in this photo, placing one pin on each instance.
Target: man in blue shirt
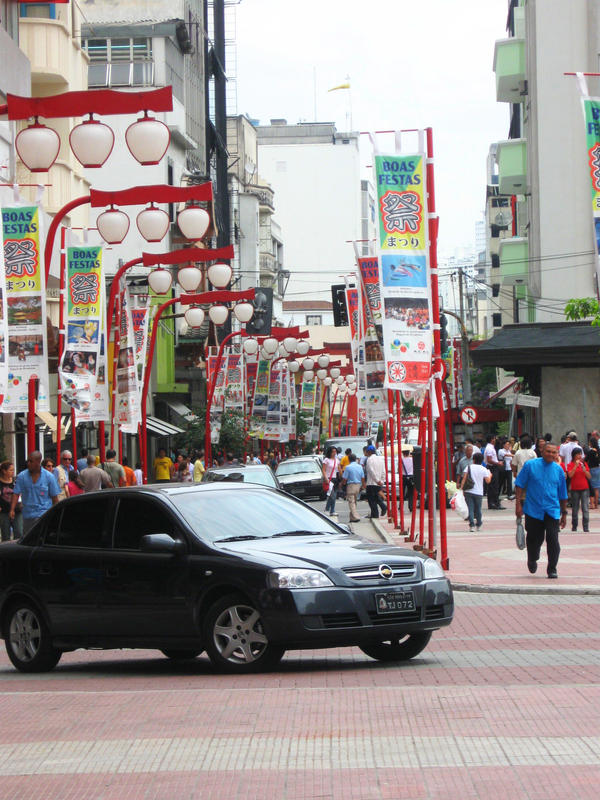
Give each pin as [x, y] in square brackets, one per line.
[353, 479]
[541, 484]
[38, 490]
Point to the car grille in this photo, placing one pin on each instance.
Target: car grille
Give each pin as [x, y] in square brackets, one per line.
[434, 612]
[351, 620]
[369, 573]
[340, 620]
[389, 619]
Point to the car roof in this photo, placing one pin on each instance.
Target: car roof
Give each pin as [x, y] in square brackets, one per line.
[170, 489]
[300, 458]
[233, 467]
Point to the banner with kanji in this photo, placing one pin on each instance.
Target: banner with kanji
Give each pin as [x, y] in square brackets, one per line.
[98, 408]
[3, 333]
[404, 277]
[216, 408]
[273, 423]
[23, 328]
[258, 420]
[129, 413]
[83, 305]
[591, 110]
[140, 318]
[234, 383]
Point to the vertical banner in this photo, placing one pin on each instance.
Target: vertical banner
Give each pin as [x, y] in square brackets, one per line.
[25, 347]
[591, 111]
[261, 399]
[83, 314]
[128, 394]
[3, 333]
[273, 424]
[140, 317]
[404, 277]
[98, 408]
[234, 383]
[216, 408]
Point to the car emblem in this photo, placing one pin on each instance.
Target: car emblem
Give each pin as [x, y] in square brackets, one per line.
[386, 572]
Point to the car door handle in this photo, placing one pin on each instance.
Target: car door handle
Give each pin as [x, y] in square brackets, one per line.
[112, 572]
[45, 568]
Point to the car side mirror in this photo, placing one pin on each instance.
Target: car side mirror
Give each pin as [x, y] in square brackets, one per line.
[161, 543]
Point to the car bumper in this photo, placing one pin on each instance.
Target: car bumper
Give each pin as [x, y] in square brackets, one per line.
[303, 489]
[347, 615]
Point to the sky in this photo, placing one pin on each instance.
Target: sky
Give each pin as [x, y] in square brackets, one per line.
[411, 64]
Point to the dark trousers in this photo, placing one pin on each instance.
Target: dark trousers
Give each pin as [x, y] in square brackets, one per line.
[408, 490]
[492, 487]
[375, 501]
[507, 482]
[537, 529]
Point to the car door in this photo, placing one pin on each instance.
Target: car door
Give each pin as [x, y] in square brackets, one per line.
[144, 594]
[66, 567]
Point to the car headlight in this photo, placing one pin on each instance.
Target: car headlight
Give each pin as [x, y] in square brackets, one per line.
[298, 579]
[431, 569]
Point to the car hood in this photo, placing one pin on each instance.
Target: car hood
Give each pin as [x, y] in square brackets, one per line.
[299, 476]
[321, 552]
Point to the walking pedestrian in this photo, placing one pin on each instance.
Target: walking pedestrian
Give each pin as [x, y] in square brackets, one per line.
[524, 453]
[113, 469]
[408, 475]
[505, 456]
[129, 474]
[38, 490]
[330, 471]
[61, 473]
[199, 470]
[592, 458]
[82, 460]
[139, 475]
[162, 467]
[579, 477]
[474, 495]
[354, 480]
[545, 507]
[566, 449]
[375, 480]
[92, 478]
[7, 487]
[464, 462]
[490, 459]
[74, 486]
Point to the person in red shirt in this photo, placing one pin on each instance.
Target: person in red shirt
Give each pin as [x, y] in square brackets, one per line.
[579, 475]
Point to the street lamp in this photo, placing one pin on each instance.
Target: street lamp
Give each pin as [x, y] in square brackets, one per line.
[193, 222]
[38, 147]
[153, 223]
[293, 366]
[243, 312]
[113, 225]
[148, 140]
[250, 347]
[302, 348]
[218, 314]
[92, 142]
[219, 275]
[159, 280]
[194, 317]
[189, 278]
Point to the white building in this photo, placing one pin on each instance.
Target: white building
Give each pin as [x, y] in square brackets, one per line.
[315, 173]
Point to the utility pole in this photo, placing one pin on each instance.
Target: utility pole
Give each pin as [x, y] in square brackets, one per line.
[466, 371]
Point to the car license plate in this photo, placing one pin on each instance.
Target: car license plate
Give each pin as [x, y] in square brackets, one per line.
[394, 602]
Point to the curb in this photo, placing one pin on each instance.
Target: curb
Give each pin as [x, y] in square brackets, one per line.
[502, 589]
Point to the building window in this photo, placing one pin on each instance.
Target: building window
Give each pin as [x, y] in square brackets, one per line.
[38, 10]
[125, 61]
[497, 320]
[314, 319]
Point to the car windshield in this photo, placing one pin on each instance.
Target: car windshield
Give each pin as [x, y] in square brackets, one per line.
[296, 467]
[263, 477]
[218, 515]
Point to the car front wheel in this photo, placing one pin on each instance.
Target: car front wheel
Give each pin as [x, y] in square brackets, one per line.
[235, 638]
[28, 642]
[399, 648]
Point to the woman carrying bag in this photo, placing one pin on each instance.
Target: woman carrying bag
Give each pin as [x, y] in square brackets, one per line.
[579, 487]
[330, 476]
[472, 485]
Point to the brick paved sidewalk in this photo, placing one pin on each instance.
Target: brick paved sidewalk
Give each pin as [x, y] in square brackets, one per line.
[490, 559]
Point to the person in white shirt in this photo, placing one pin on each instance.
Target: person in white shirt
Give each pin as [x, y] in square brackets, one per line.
[490, 460]
[474, 495]
[566, 449]
[375, 478]
[505, 456]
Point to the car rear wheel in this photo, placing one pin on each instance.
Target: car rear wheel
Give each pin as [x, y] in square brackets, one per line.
[181, 655]
[235, 638]
[28, 642]
[399, 648]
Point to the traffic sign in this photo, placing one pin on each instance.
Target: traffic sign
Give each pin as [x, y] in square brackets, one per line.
[468, 415]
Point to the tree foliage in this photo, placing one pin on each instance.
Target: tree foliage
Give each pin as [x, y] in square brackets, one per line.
[583, 308]
[231, 437]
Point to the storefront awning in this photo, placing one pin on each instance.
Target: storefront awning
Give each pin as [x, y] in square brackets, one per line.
[182, 410]
[158, 427]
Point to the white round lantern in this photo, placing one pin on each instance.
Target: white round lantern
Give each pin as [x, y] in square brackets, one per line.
[160, 280]
[194, 317]
[148, 140]
[302, 347]
[264, 356]
[335, 372]
[92, 143]
[218, 314]
[352, 390]
[219, 275]
[293, 366]
[350, 379]
[193, 222]
[243, 312]
[308, 363]
[38, 146]
[321, 374]
[309, 375]
[189, 278]
[250, 346]
[289, 344]
[327, 381]
[153, 223]
[270, 345]
[282, 352]
[340, 380]
[323, 360]
[113, 225]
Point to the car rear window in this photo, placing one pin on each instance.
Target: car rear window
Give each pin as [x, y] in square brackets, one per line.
[296, 467]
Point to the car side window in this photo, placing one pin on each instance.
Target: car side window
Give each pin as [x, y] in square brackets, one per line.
[82, 523]
[52, 524]
[136, 518]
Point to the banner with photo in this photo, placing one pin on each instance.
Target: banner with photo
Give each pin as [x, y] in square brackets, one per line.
[591, 112]
[3, 333]
[98, 409]
[273, 423]
[23, 327]
[404, 277]
[83, 315]
[369, 364]
[140, 319]
[369, 275]
[216, 408]
[234, 383]
[128, 413]
[258, 420]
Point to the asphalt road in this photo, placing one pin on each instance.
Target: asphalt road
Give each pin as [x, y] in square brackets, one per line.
[505, 701]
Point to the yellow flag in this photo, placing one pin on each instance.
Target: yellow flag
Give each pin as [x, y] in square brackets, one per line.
[341, 86]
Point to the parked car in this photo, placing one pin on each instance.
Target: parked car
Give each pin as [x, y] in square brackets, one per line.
[261, 474]
[301, 476]
[240, 571]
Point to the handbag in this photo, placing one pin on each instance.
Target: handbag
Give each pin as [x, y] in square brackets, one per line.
[469, 482]
[520, 535]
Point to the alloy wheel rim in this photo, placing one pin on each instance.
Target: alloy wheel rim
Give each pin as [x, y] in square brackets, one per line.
[238, 635]
[25, 634]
